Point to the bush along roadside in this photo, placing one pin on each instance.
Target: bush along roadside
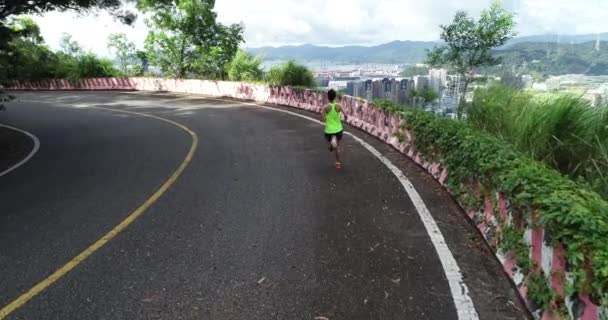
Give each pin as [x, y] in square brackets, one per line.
[550, 232]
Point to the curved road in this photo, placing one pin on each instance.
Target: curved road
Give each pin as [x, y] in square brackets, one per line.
[258, 226]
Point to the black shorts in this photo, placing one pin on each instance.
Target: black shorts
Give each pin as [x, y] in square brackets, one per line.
[337, 134]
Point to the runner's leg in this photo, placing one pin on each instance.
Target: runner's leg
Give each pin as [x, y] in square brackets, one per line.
[338, 138]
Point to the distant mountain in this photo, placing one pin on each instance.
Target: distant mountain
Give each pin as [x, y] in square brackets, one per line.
[556, 38]
[556, 58]
[393, 52]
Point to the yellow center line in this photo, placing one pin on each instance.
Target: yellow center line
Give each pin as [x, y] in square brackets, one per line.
[44, 284]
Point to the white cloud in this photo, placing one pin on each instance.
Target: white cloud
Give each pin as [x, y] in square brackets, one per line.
[342, 22]
[339, 22]
[91, 31]
[563, 16]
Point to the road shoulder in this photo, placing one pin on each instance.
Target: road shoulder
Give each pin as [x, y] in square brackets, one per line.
[492, 292]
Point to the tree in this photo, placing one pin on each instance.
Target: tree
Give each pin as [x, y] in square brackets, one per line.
[245, 67]
[122, 48]
[469, 43]
[13, 8]
[172, 53]
[22, 7]
[30, 60]
[185, 38]
[22, 41]
[414, 71]
[144, 62]
[69, 46]
[27, 29]
[22, 29]
[173, 43]
[25, 7]
[214, 62]
[425, 95]
[27, 57]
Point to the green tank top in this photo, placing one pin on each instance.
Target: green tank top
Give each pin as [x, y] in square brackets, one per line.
[333, 124]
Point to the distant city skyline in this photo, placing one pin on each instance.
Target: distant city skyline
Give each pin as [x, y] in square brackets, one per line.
[391, 85]
[342, 22]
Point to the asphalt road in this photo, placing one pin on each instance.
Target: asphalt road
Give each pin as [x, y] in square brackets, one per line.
[259, 226]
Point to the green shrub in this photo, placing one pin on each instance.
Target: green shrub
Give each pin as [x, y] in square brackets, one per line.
[90, 66]
[387, 105]
[245, 67]
[290, 73]
[569, 212]
[36, 62]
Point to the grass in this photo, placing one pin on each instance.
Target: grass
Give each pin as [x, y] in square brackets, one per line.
[291, 73]
[562, 130]
[245, 67]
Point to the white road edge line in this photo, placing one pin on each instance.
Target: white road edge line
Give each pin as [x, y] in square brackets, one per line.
[29, 156]
[460, 293]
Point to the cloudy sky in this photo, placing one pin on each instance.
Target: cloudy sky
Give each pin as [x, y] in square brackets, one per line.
[343, 22]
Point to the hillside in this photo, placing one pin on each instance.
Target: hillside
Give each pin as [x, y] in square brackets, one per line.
[555, 59]
[565, 39]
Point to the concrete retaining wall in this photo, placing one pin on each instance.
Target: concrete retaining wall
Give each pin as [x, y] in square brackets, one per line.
[384, 126]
